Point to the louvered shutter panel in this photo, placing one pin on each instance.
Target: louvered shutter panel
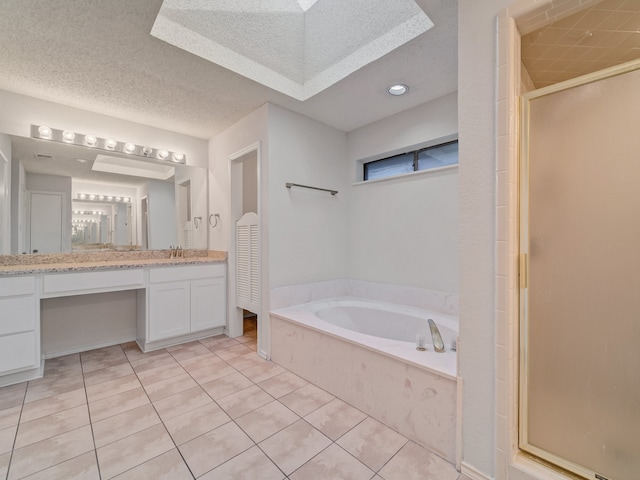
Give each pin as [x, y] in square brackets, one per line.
[248, 263]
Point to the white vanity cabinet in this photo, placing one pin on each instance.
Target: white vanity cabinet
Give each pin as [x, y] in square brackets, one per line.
[175, 303]
[19, 325]
[184, 301]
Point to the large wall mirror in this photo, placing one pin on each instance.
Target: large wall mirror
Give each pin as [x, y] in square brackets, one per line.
[69, 198]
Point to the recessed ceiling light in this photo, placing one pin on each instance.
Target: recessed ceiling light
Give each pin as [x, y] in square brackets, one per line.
[398, 89]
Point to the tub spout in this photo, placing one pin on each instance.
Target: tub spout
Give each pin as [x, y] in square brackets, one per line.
[438, 344]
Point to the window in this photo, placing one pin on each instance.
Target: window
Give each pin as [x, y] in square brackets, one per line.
[428, 158]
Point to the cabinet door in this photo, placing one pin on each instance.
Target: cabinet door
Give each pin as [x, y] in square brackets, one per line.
[19, 352]
[168, 310]
[208, 303]
[19, 342]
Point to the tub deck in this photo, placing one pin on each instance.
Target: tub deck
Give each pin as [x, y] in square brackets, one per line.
[402, 391]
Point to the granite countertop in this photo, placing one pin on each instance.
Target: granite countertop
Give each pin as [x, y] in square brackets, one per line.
[78, 262]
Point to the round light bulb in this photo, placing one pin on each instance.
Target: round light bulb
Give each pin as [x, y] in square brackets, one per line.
[110, 144]
[90, 140]
[127, 199]
[163, 154]
[44, 132]
[82, 196]
[129, 147]
[399, 89]
[146, 151]
[92, 197]
[178, 157]
[68, 136]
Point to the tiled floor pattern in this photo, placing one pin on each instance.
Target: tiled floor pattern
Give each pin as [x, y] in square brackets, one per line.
[210, 409]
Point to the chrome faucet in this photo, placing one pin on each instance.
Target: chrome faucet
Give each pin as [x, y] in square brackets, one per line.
[436, 338]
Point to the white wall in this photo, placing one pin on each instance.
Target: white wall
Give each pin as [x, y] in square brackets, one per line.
[310, 228]
[477, 180]
[404, 231]
[248, 133]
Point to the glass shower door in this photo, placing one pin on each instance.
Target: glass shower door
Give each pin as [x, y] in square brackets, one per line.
[580, 306]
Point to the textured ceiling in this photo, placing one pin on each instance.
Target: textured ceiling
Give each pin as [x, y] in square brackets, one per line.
[605, 34]
[296, 51]
[99, 55]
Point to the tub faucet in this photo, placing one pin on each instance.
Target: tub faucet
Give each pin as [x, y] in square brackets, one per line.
[438, 344]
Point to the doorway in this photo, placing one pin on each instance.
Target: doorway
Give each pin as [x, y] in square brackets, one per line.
[579, 393]
[246, 319]
[46, 213]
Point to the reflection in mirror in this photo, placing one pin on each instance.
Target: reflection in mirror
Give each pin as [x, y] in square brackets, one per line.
[71, 198]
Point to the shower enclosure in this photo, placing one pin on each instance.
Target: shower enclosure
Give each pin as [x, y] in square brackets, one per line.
[579, 275]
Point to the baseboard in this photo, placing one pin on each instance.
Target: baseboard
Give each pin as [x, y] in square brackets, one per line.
[472, 473]
[170, 342]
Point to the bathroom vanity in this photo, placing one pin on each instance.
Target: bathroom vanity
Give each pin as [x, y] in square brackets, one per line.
[178, 299]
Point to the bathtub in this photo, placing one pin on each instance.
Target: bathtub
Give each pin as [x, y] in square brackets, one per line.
[364, 352]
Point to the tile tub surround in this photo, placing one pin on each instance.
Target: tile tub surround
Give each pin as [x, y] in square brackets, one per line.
[72, 262]
[433, 300]
[413, 401]
[150, 416]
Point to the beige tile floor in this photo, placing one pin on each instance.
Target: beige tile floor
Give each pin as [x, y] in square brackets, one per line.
[210, 409]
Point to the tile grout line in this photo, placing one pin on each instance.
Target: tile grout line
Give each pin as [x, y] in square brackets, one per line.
[234, 420]
[53, 436]
[15, 437]
[86, 394]
[162, 422]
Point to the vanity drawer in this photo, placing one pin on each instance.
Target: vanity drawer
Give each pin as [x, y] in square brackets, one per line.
[17, 315]
[88, 281]
[17, 286]
[189, 272]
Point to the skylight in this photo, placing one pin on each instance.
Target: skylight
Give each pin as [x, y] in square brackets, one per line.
[297, 47]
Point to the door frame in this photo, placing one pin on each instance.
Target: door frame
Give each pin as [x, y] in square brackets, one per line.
[524, 236]
[235, 320]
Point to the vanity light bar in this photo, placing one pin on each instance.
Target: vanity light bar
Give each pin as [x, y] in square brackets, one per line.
[42, 132]
[91, 197]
